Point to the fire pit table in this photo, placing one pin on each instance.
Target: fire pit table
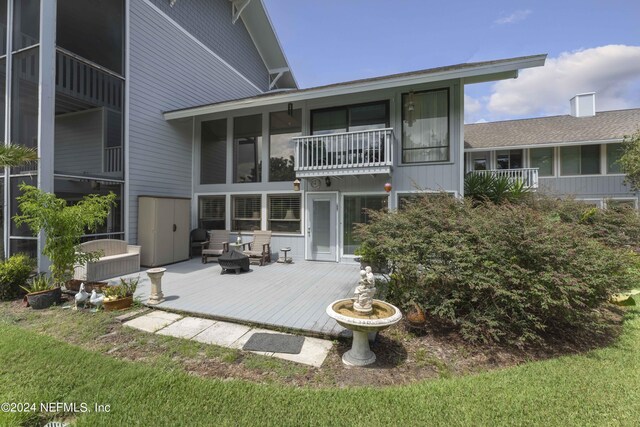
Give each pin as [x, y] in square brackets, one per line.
[233, 260]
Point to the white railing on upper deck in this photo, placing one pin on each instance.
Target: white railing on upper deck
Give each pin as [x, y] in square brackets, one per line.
[529, 176]
[113, 159]
[369, 151]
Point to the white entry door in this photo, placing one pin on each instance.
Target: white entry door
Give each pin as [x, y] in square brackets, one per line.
[322, 227]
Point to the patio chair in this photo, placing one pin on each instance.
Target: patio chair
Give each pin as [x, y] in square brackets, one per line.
[260, 248]
[217, 244]
[197, 237]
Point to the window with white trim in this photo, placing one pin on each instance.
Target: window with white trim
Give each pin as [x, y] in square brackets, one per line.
[284, 213]
[425, 126]
[246, 213]
[614, 152]
[211, 212]
[580, 160]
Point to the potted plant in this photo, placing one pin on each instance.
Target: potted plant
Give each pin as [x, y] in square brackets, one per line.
[42, 292]
[63, 226]
[120, 296]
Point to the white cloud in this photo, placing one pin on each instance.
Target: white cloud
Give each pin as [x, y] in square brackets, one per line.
[518, 15]
[612, 71]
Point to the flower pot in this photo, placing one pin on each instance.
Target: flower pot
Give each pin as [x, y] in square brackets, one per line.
[44, 299]
[416, 317]
[118, 304]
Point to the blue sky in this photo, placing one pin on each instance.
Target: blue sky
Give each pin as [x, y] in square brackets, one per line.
[593, 45]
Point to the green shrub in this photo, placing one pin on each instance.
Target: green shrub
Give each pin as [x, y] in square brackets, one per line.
[498, 273]
[14, 273]
[483, 187]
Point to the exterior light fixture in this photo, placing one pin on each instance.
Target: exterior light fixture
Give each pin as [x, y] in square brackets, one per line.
[327, 182]
[290, 109]
[388, 187]
[296, 185]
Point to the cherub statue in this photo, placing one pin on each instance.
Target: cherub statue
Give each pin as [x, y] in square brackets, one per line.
[364, 292]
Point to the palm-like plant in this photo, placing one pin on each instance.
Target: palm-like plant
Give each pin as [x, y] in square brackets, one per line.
[16, 155]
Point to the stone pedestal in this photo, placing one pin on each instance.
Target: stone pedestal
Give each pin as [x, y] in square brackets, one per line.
[155, 275]
[360, 353]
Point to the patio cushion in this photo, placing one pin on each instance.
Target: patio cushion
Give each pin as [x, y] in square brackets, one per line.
[212, 251]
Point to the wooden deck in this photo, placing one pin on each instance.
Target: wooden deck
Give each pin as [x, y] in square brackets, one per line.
[289, 296]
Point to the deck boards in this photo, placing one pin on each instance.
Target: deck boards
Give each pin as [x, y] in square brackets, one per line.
[291, 296]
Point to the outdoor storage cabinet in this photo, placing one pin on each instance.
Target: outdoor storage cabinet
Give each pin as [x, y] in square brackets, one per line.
[163, 230]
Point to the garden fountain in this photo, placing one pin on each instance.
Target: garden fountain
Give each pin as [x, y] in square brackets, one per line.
[363, 314]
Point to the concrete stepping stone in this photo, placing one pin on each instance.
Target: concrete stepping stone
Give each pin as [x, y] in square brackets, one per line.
[314, 351]
[188, 327]
[222, 333]
[153, 321]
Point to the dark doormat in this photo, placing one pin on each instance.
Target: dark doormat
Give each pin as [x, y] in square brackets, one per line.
[276, 343]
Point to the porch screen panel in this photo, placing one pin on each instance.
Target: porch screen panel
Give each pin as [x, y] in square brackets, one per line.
[284, 213]
[580, 160]
[246, 213]
[213, 152]
[282, 128]
[425, 126]
[542, 158]
[24, 102]
[26, 23]
[247, 144]
[355, 212]
[509, 159]
[614, 152]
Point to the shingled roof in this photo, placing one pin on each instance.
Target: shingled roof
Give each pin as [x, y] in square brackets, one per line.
[604, 126]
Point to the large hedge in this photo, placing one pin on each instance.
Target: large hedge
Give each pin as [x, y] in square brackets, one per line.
[499, 273]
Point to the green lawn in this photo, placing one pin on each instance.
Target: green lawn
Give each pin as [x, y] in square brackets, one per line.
[599, 388]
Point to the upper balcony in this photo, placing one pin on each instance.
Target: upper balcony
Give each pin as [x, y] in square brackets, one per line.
[349, 153]
[528, 176]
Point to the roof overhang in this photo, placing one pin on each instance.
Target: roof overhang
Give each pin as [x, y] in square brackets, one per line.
[256, 19]
[468, 73]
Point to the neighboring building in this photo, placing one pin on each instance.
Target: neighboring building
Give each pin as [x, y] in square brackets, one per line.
[573, 155]
[86, 81]
[106, 91]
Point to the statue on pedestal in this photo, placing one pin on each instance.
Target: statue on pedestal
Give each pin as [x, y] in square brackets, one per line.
[365, 292]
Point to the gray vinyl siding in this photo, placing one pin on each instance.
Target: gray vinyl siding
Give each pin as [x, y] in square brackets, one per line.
[78, 143]
[210, 22]
[586, 186]
[168, 70]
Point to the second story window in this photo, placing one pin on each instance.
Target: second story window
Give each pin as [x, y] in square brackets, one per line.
[425, 126]
[351, 118]
[247, 148]
[542, 158]
[282, 128]
[580, 160]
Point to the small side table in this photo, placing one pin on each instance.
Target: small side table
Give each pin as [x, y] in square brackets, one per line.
[285, 260]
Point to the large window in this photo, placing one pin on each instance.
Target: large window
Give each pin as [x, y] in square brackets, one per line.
[350, 118]
[580, 160]
[542, 158]
[425, 126]
[480, 161]
[213, 152]
[355, 212]
[284, 213]
[509, 159]
[614, 152]
[247, 148]
[246, 213]
[282, 128]
[211, 212]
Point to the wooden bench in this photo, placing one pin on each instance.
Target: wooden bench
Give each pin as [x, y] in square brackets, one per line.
[117, 259]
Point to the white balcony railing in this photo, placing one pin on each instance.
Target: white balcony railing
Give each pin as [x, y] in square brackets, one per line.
[113, 159]
[364, 152]
[529, 176]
